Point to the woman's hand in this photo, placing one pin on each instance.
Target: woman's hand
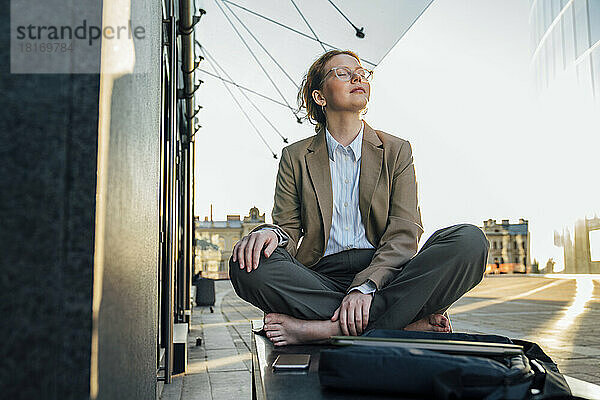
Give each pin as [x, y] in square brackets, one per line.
[248, 249]
[353, 313]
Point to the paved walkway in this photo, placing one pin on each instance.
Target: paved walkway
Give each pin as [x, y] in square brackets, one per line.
[220, 368]
[563, 315]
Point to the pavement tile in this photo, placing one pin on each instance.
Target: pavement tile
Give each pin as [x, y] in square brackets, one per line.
[196, 353]
[226, 360]
[196, 386]
[231, 385]
[589, 366]
[217, 337]
[584, 377]
[172, 391]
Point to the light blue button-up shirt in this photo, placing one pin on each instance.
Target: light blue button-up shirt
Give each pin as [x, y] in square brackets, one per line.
[347, 230]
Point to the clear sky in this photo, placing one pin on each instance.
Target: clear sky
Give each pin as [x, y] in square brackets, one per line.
[459, 87]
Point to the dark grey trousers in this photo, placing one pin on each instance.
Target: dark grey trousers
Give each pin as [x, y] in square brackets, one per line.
[449, 264]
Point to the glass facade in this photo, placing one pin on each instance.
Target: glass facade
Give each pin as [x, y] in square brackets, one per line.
[566, 40]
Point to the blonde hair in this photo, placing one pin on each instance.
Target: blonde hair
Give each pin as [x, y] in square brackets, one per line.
[313, 80]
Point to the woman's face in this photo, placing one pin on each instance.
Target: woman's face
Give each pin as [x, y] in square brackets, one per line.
[344, 96]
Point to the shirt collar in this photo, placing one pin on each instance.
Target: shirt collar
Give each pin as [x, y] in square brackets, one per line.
[355, 146]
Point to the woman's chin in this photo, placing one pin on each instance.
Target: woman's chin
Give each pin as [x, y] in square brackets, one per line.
[361, 106]
[354, 107]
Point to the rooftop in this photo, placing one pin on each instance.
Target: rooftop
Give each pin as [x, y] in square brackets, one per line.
[219, 224]
[520, 228]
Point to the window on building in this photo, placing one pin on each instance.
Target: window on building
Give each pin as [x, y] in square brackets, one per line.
[494, 245]
[500, 244]
[515, 245]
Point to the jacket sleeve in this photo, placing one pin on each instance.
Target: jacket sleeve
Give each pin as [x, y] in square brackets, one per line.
[400, 239]
[286, 205]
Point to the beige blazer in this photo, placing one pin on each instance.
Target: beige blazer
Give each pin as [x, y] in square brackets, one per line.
[388, 203]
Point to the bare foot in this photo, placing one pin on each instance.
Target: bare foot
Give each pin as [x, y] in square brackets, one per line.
[431, 323]
[281, 329]
[449, 322]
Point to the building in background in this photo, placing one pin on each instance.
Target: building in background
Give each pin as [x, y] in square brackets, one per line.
[579, 257]
[509, 247]
[566, 43]
[215, 241]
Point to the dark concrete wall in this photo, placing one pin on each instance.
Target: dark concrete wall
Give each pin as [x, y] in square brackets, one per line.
[48, 161]
[48, 147]
[128, 320]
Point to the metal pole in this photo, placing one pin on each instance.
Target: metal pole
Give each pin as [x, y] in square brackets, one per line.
[187, 20]
[186, 28]
[171, 189]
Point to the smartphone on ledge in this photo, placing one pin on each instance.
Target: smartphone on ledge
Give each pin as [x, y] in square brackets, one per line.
[291, 361]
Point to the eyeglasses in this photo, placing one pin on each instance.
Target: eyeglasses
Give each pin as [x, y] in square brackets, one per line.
[345, 74]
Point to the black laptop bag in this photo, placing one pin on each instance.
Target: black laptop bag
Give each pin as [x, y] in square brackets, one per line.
[434, 375]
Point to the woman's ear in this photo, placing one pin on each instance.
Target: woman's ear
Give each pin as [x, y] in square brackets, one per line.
[318, 98]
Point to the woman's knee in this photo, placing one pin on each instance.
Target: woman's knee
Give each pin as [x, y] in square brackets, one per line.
[234, 267]
[474, 245]
[253, 280]
[473, 236]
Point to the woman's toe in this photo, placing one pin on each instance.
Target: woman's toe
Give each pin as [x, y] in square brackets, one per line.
[438, 319]
[274, 318]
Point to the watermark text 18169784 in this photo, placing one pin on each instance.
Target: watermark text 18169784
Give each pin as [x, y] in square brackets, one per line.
[28, 47]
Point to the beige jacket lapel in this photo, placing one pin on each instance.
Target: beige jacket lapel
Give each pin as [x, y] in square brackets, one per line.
[317, 162]
[370, 169]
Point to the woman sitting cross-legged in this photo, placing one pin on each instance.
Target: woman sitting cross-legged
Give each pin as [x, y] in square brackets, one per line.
[341, 255]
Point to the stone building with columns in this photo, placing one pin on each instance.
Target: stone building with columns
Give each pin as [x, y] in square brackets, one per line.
[509, 246]
[580, 254]
[215, 240]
